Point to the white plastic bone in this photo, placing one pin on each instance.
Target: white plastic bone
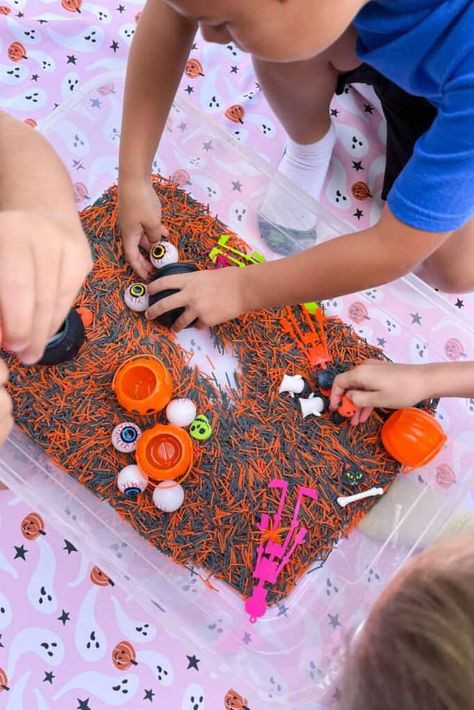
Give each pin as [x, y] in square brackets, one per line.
[345, 500]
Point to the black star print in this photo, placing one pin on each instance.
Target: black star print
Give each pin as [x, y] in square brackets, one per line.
[236, 186]
[234, 69]
[71, 59]
[20, 552]
[21, 14]
[83, 704]
[120, 9]
[182, 126]
[368, 108]
[189, 89]
[415, 318]
[357, 165]
[193, 662]
[48, 677]
[282, 609]
[381, 342]
[149, 695]
[334, 621]
[358, 213]
[459, 303]
[1, 644]
[64, 617]
[68, 545]
[34, 77]
[207, 146]
[335, 112]
[43, 22]
[194, 47]
[115, 45]
[247, 638]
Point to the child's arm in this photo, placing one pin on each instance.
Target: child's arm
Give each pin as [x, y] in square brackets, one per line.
[346, 264]
[159, 51]
[44, 254]
[382, 384]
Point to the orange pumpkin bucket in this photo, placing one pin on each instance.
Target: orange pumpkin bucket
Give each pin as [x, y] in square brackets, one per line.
[165, 452]
[413, 437]
[143, 385]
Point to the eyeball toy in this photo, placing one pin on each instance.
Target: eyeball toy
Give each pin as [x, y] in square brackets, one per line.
[125, 437]
[131, 481]
[168, 496]
[164, 253]
[136, 297]
[181, 412]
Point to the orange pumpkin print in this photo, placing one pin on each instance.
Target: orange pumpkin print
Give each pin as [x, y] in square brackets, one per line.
[71, 5]
[30, 122]
[358, 312]
[193, 69]
[106, 89]
[4, 10]
[361, 191]
[235, 113]
[234, 701]
[445, 476]
[80, 192]
[16, 52]
[181, 177]
[123, 656]
[3, 680]
[100, 578]
[32, 526]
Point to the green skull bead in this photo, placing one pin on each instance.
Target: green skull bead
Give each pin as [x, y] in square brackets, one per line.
[201, 429]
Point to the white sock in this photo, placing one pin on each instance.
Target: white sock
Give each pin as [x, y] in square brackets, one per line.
[307, 167]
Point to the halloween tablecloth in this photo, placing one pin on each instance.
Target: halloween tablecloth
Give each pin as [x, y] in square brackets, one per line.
[58, 626]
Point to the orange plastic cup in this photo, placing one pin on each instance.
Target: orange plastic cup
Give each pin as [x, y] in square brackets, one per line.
[412, 437]
[164, 452]
[143, 385]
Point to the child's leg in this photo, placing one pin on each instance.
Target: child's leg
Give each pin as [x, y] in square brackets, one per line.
[451, 267]
[300, 94]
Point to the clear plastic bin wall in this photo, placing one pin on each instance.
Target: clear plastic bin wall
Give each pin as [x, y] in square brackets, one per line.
[310, 629]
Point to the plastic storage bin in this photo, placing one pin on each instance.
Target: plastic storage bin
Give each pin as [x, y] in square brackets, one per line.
[293, 655]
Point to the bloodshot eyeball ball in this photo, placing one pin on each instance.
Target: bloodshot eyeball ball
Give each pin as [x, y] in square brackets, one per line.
[181, 412]
[168, 496]
[131, 481]
[136, 297]
[125, 437]
[163, 253]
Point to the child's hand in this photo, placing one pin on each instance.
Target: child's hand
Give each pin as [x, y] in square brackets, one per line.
[380, 384]
[43, 263]
[6, 408]
[210, 297]
[140, 223]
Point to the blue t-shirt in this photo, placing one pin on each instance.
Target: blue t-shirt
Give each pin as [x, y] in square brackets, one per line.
[427, 48]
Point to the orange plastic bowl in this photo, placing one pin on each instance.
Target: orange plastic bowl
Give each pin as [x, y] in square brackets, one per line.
[143, 385]
[164, 452]
[413, 437]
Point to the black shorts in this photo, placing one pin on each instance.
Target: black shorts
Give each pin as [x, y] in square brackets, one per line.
[407, 116]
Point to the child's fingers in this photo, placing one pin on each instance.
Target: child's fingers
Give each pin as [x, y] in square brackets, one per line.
[166, 283]
[45, 320]
[16, 298]
[365, 398]
[177, 300]
[364, 414]
[336, 394]
[137, 261]
[184, 320]
[3, 374]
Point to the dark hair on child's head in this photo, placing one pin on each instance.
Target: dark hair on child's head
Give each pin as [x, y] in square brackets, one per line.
[416, 650]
